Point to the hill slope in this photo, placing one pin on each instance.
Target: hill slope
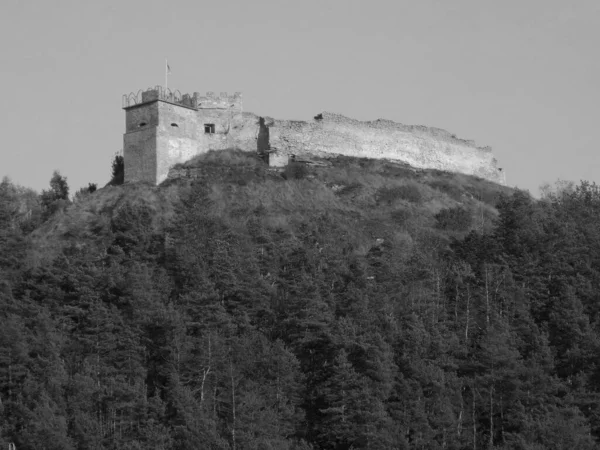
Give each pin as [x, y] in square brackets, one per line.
[362, 304]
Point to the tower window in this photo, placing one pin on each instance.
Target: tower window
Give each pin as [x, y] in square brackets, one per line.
[209, 128]
[142, 124]
[174, 125]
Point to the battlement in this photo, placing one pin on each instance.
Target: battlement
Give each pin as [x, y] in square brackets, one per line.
[195, 101]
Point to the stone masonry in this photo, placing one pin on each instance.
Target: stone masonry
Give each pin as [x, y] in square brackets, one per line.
[163, 129]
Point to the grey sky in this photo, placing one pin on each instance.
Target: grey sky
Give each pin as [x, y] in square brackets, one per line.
[519, 75]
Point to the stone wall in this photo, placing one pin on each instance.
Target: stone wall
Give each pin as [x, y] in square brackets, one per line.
[221, 101]
[141, 116]
[160, 134]
[177, 134]
[419, 146]
[333, 134]
[139, 143]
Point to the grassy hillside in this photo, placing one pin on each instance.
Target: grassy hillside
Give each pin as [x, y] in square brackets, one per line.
[373, 198]
[368, 199]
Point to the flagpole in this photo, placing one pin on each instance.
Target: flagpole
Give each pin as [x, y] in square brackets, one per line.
[166, 75]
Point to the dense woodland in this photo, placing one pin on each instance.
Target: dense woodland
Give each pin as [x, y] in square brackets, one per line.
[360, 305]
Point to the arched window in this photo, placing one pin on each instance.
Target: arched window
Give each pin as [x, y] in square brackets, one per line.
[174, 125]
[142, 124]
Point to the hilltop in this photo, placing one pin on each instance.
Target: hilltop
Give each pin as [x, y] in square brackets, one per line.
[378, 194]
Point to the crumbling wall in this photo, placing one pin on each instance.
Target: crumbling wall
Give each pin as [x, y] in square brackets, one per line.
[419, 146]
[333, 134]
[221, 101]
[162, 133]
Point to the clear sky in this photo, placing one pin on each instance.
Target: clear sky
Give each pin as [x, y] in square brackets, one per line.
[519, 75]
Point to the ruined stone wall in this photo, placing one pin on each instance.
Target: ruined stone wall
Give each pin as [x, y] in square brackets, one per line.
[221, 101]
[421, 147]
[244, 132]
[161, 133]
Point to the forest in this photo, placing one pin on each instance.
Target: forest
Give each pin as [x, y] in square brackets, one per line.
[358, 304]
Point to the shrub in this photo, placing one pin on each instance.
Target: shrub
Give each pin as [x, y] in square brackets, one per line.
[401, 216]
[130, 217]
[408, 192]
[482, 190]
[117, 171]
[295, 171]
[350, 189]
[482, 193]
[229, 157]
[447, 188]
[57, 197]
[84, 192]
[454, 219]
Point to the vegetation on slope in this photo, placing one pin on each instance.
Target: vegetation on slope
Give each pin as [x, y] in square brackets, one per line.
[360, 305]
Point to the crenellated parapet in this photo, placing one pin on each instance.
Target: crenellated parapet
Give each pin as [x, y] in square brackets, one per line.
[194, 101]
[158, 93]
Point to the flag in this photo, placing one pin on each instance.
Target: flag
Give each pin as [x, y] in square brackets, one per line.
[168, 69]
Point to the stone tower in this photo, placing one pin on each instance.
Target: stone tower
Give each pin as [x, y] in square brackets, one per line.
[163, 128]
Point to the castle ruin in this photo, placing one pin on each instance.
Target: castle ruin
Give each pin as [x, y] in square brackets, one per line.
[164, 128]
